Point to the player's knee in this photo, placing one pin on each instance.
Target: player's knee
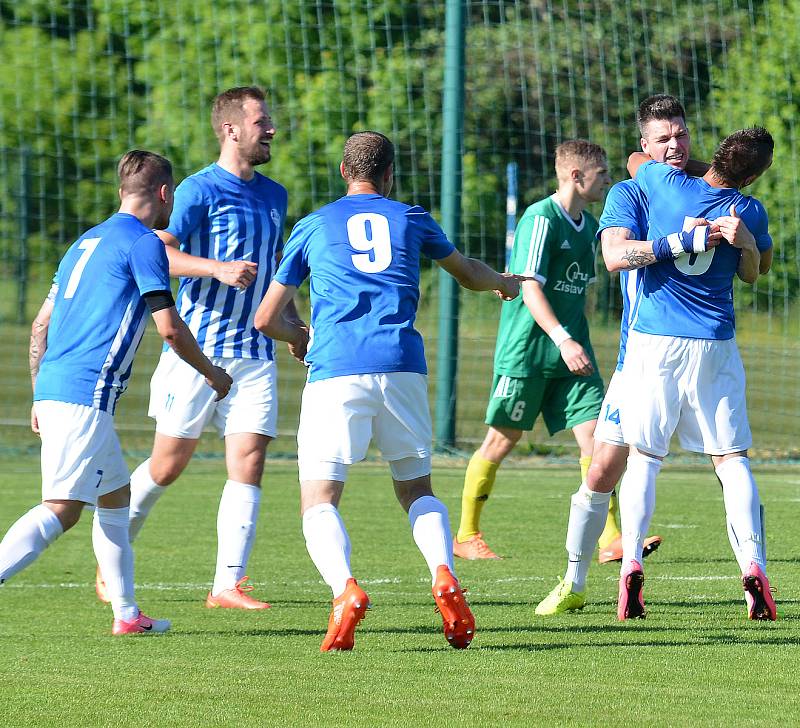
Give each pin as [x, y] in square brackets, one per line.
[68, 513]
[499, 443]
[167, 471]
[608, 465]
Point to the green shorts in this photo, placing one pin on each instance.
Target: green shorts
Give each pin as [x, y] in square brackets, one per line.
[563, 403]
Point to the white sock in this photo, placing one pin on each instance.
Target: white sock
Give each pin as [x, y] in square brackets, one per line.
[637, 501]
[328, 545]
[112, 549]
[743, 510]
[144, 494]
[26, 539]
[587, 517]
[431, 530]
[236, 532]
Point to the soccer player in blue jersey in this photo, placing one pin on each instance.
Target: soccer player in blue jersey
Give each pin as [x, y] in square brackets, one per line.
[622, 231]
[683, 373]
[367, 372]
[223, 240]
[82, 346]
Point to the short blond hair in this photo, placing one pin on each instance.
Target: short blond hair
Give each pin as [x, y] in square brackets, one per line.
[578, 153]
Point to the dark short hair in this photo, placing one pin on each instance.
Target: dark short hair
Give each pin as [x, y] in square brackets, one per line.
[661, 107]
[143, 173]
[576, 151]
[367, 155]
[743, 155]
[227, 106]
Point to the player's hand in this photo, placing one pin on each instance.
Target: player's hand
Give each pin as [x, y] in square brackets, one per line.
[236, 273]
[734, 230]
[299, 346]
[714, 238]
[508, 287]
[34, 422]
[220, 382]
[576, 358]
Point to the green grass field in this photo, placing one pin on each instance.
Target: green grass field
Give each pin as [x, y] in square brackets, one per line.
[695, 660]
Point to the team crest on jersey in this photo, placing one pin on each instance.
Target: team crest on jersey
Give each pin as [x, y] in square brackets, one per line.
[565, 245]
[276, 217]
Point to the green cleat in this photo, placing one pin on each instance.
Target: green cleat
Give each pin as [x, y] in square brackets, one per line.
[561, 599]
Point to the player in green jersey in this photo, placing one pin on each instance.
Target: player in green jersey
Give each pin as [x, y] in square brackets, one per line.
[543, 363]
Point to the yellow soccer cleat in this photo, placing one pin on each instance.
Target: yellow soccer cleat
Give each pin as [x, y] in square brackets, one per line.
[561, 599]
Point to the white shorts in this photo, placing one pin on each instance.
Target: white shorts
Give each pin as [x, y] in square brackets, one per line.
[81, 456]
[695, 387]
[182, 403]
[609, 428]
[339, 416]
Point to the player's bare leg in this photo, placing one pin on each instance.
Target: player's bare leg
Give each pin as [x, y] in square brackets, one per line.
[169, 458]
[430, 528]
[237, 519]
[478, 484]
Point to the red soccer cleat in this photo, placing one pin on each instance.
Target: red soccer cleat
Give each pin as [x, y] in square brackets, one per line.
[457, 620]
[348, 610]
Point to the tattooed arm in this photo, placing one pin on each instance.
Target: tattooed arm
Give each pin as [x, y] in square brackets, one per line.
[38, 347]
[622, 252]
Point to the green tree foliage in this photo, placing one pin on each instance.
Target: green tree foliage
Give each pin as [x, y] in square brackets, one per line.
[84, 81]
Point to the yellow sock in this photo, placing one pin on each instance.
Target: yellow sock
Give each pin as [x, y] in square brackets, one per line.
[585, 461]
[611, 530]
[478, 483]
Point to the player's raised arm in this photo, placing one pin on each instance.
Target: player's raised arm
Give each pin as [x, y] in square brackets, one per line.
[277, 318]
[177, 335]
[235, 273]
[475, 275]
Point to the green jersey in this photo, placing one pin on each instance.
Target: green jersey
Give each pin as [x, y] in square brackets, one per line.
[560, 254]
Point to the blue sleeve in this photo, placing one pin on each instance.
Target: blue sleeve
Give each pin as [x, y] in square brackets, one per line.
[148, 263]
[283, 208]
[760, 228]
[190, 207]
[435, 244]
[624, 209]
[293, 268]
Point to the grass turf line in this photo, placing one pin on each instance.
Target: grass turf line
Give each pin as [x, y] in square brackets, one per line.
[695, 660]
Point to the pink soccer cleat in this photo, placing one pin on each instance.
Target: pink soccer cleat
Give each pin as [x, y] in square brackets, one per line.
[141, 625]
[631, 603]
[757, 594]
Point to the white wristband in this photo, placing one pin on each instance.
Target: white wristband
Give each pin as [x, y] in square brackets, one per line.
[559, 335]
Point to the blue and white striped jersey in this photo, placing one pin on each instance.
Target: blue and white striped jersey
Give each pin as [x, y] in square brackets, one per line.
[99, 314]
[626, 206]
[218, 215]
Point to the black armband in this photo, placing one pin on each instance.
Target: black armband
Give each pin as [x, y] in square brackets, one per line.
[159, 300]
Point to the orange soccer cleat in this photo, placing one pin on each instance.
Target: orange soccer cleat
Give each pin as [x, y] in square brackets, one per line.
[348, 610]
[100, 587]
[236, 598]
[613, 552]
[457, 620]
[473, 548]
